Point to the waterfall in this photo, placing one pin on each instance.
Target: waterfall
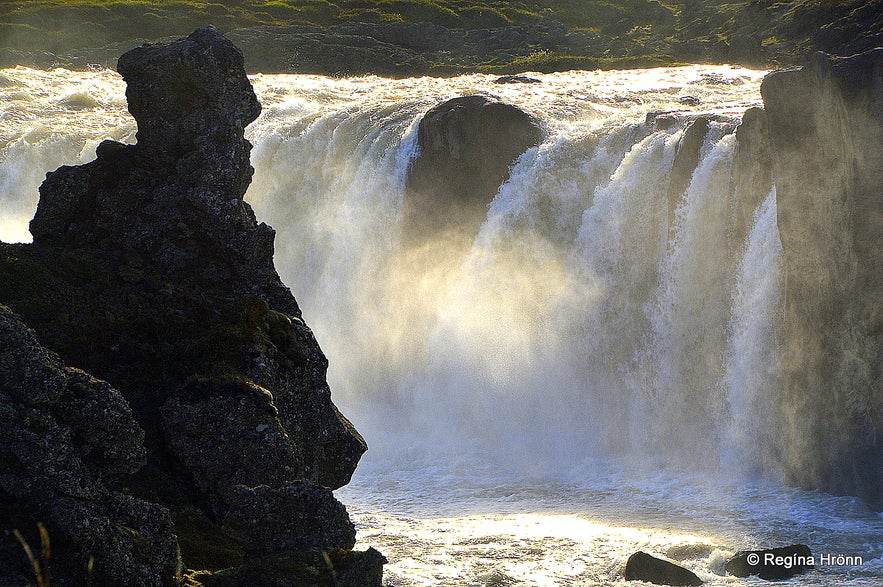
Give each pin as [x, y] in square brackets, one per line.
[574, 327]
[752, 363]
[578, 324]
[595, 371]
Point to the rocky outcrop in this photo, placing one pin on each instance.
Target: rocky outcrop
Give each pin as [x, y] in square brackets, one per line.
[752, 174]
[466, 147]
[68, 443]
[826, 136]
[150, 271]
[644, 567]
[774, 564]
[684, 164]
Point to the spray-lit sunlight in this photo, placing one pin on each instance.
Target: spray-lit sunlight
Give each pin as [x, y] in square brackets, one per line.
[587, 373]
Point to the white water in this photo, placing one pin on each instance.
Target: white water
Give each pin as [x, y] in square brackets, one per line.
[583, 384]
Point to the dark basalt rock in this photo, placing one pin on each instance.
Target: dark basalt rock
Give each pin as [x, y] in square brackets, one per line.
[335, 568]
[184, 179]
[517, 79]
[774, 564]
[826, 135]
[467, 146]
[150, 271]
[67, 443]
[296, 516]
[685, 162]
[644, 567]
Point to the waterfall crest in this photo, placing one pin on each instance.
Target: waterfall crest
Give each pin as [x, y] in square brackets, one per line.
[583, 320]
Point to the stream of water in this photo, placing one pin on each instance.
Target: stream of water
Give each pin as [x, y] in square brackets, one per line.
[584, 382]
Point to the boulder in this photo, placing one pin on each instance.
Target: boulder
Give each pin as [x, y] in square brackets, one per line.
[466, 147]
[775, 564]
[644, 567]
[247, 445]
[826, 135]
[68, 444]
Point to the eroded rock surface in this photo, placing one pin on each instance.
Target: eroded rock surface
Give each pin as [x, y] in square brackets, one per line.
[150, 271]
[826, 135]
[68, 442]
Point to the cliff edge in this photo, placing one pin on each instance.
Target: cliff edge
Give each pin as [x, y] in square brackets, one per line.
[826, 139]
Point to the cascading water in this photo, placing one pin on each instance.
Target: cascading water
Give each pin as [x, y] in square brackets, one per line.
[586, 380]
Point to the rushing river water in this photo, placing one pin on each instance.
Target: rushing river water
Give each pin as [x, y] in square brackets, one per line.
[584, 382]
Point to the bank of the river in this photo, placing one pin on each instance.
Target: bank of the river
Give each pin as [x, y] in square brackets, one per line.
[402, 38]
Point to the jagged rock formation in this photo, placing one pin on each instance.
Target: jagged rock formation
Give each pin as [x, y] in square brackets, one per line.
[150, 271]
[67, 444]
[466, 147]
[826, 138]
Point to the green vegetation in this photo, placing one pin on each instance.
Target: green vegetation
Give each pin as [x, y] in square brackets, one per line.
[595, 33]
[783, 29]
[85, 23]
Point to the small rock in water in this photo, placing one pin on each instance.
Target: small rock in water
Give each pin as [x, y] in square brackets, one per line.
[774, 564]
[689, 100]
[517, 79]
[644, 567]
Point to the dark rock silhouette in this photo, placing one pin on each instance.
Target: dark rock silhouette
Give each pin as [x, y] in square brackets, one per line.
[517, 79]
[68, 443]
[752, 173]
[775, 564]
[150, 271]
[685, 162]
[644, 567]
[467, 146]
[826, 137]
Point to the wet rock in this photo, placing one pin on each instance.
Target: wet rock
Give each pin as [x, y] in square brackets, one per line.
[775, 564]
[685, 162]
[826, 136]
[752, 173]
[467, 146]
[644, 567]
[517, 79]
[68, 443]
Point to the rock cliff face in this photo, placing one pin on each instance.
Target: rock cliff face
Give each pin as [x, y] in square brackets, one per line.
[826, 138]
[150, 271]
[67, 443]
